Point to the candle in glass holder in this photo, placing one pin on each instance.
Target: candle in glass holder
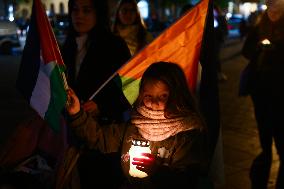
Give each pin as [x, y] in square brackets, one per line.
[137, 148]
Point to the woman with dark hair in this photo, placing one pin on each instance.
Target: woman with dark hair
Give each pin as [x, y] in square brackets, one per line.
[130, 26]
[92, 54]
[165, 123]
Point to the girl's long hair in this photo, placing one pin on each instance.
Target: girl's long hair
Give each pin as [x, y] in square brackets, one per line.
[141, 35]
[181, 102]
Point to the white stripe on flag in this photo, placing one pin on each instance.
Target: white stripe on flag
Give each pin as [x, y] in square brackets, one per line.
[41, 94]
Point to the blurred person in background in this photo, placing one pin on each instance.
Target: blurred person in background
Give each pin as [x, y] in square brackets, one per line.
[243, 29]
[220, 34]
[130, 26]
[264, 50]
[254, 19]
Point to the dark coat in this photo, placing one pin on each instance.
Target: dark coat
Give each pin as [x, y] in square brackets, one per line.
[105, 55]
[182, 158]
[221, 31]
[266, 74]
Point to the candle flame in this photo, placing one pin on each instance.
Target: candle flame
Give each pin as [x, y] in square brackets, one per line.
[265, 42]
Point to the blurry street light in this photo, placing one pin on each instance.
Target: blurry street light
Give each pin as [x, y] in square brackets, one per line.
[143, 6]
[11, 13]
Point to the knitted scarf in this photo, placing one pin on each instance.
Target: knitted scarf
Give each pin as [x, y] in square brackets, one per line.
[153, 125]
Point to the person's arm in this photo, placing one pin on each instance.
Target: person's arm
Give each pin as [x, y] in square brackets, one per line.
[107, 139]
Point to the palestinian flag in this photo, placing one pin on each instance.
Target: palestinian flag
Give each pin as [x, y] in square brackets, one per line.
[41, 77]
[180, 43]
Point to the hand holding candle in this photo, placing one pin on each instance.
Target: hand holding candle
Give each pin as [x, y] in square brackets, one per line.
[145, 163]
[138, 148]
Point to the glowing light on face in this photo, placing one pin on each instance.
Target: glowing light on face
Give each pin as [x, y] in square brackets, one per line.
[155, 95]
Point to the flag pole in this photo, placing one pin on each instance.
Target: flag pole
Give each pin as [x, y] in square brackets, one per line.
[103, 85]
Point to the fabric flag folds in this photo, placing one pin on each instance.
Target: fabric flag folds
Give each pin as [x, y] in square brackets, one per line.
[180, 43]
[41, 76]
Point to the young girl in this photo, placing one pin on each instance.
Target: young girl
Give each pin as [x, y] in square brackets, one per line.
[130, 26]
[164, 117]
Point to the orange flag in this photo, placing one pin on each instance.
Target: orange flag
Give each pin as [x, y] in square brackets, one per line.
[180, 44]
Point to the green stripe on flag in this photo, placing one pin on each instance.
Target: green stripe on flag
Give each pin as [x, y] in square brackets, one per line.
[130, 88]
[57, 100]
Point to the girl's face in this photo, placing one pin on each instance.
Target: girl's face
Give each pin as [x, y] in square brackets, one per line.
[155, 95]
[83, 16]
[127, 14]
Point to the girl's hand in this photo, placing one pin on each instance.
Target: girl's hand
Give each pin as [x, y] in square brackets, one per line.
[72, 104]
[147, 163]
[91, 107]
